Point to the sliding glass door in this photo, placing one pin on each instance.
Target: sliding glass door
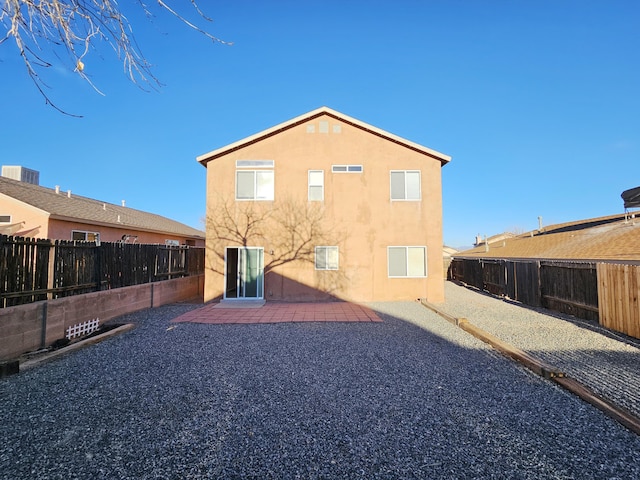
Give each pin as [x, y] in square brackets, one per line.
[244, 272]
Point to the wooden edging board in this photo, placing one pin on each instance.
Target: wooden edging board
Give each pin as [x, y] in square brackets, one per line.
[619, 414]
[45, 357]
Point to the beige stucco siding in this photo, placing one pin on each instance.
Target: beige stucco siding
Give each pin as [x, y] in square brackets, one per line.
[39, 224]
[62, 229]
[357, 214]
[35, 221]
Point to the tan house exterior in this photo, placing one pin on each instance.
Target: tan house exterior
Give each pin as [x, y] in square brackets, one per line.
[324, 207]
[28, 210]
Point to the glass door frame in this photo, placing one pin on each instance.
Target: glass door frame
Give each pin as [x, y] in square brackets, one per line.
[241, 269]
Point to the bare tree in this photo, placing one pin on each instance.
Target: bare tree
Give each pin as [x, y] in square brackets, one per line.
[77, 26]
[291, 229]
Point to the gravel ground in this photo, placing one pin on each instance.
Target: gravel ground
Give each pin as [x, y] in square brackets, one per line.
[607, 362]
[411, 397]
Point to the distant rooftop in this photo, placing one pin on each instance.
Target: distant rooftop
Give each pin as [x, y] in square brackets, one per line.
[610, 238]
[65, 205]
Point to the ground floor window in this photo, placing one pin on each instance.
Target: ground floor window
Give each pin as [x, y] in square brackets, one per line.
[326, 258]
[85, 236]
[407, 262]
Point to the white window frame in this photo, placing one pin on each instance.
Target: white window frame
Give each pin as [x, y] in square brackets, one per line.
[255, 197]
[96, 236]
[323, 250]
[405, 199]
[253, 164]
[8, 221]
[309, 185]
[407, 249]
[347, 168]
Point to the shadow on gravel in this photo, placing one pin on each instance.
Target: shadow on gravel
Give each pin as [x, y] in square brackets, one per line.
[411, 397]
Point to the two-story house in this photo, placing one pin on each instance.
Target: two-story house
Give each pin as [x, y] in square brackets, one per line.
[324, 207]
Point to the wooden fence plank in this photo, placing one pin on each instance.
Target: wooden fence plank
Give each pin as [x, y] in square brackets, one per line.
[618, 295]
[33, 270]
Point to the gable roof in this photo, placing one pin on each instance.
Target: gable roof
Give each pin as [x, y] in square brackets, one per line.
[611, 238]
[205, 158]
[60, 206]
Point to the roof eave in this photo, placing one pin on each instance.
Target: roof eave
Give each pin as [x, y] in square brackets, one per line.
[212, 155]
[122, 226]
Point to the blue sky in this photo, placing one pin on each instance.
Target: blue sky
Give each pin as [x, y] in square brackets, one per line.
[538, 102]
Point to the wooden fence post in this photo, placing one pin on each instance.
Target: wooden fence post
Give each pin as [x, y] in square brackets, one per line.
[51, 269]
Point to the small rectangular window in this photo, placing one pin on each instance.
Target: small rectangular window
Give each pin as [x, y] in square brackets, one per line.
[346, 168]
[82, 236]
[254, 163]
[316, 185]
[327, 258]
[407, 262]
[405, 185]
[5, 218]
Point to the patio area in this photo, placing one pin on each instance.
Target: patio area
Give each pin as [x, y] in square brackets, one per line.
[279, 312]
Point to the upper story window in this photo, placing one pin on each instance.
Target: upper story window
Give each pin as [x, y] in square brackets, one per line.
[254, 180]
[346, 168]
[83, 236]
[5, 218]
[316, 185]
[405, 185]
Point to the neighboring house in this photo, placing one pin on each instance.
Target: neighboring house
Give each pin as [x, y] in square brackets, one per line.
[29, 210]
[615, 238]
[324, 207]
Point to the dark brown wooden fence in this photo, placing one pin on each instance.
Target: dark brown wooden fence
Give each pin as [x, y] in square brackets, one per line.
[567, 287]
[24, 270]
[33, 270]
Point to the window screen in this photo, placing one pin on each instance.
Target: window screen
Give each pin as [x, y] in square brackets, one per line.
[407, 261]
[405, 185]
[254, 185]
[316, 185]
[327, 258]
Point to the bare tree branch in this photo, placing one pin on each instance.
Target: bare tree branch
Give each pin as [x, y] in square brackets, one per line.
[78, 26]
[291, 229]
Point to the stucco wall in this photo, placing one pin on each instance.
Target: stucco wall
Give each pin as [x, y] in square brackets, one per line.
[59, 229]
[21, 326]
[36, 222]
[356, 214]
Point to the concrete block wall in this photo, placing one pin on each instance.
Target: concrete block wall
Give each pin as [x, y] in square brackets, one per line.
[21, 326]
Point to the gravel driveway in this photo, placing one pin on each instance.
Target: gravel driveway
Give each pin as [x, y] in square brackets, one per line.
[411, 397]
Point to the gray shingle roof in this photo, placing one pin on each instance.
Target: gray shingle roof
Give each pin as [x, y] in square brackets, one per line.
[88, 210]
